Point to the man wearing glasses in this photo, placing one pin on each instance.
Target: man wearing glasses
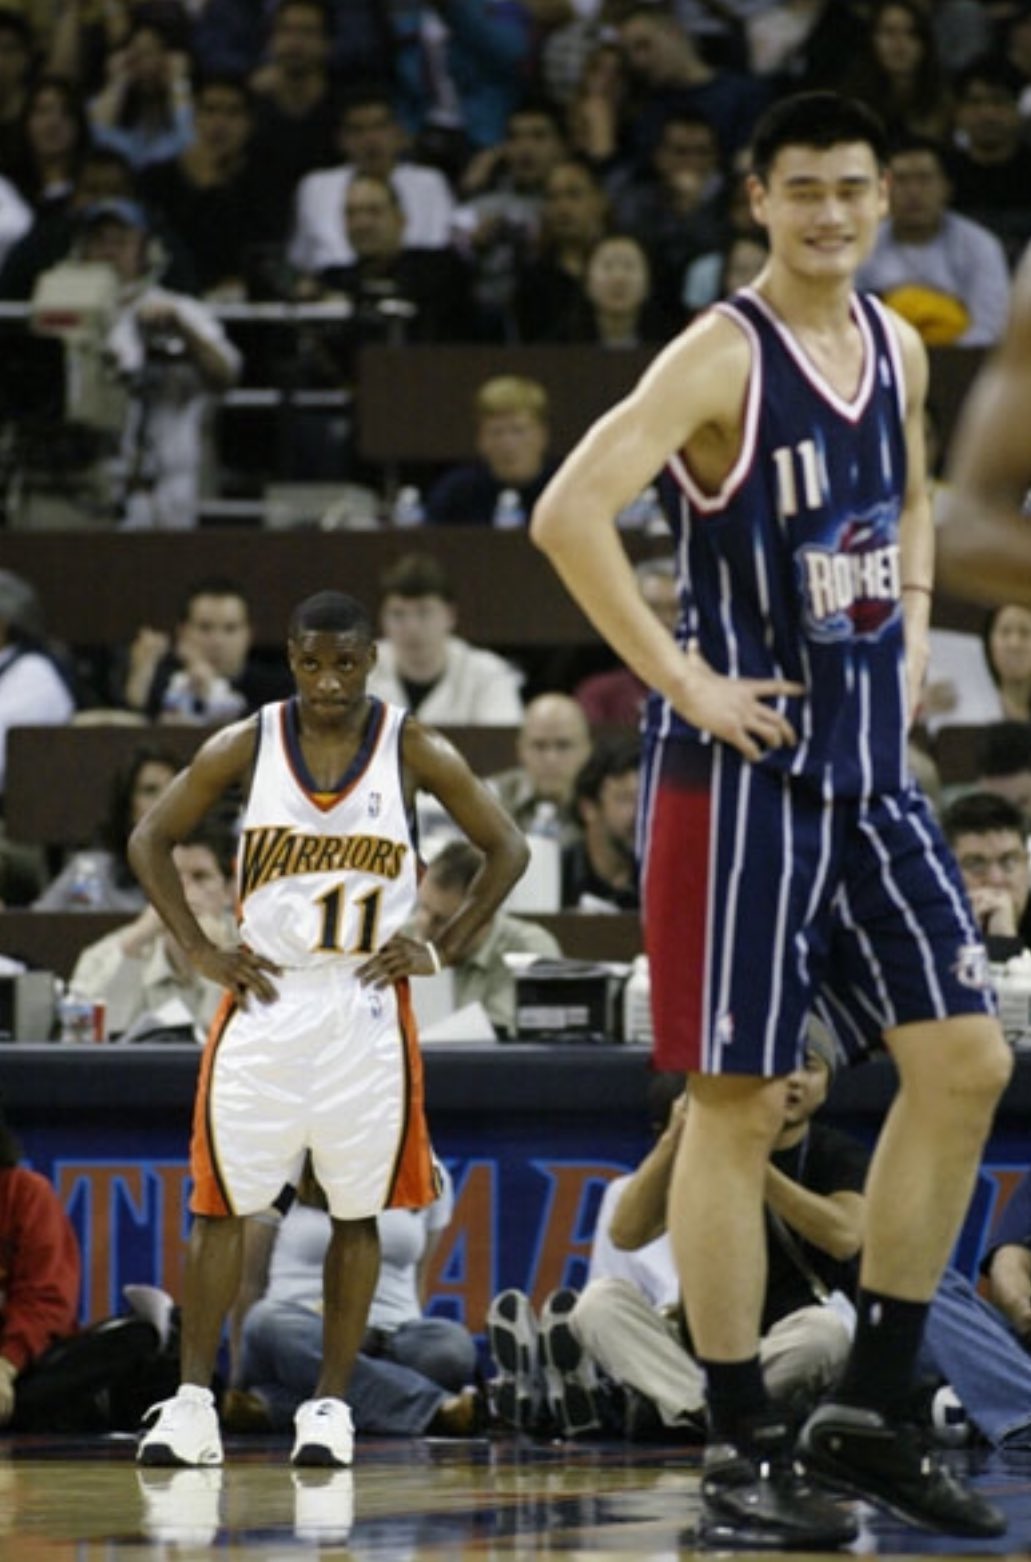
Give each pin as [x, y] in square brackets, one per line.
[988, 835]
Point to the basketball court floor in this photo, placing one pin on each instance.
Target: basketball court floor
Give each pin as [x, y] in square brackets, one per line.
[64, 1500]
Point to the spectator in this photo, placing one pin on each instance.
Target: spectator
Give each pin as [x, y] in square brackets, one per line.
[226, 39]
[33, 690]
[1016, 46]
[398, 293]
[990, 163]
[1004, 763]
[101, 879]
[142, 973]
[899, 75]
[102, 176]
[1007, 1262]
[499, 222]
[296, 109]
[15, 65]
[809, 1256]
[549, 287]
[943, 272]
[553, 744]
[421, 664]
[211, 674]
[460, 69]
[597, 112]
[209, 195]
[599, 872]
[512, 432]
[372, 141]
[676, 209]
[173, 353]
[988, 835]
[616, 698]
[1007, 641]
[619, 308]
[672, 77]
[15, 216]
[56, 138]
[735, 262]
[145, 110]
[482, 975]
[413, 1374]
[40, 1271]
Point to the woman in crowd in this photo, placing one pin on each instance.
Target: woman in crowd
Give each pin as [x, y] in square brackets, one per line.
[100, 878]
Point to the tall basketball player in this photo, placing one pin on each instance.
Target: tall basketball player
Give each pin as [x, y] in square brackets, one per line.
[986, 528]
[314, 1048]
[790, 863]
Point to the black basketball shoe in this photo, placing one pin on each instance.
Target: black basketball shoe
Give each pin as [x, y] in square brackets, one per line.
[754, 1498]
[859, 1451]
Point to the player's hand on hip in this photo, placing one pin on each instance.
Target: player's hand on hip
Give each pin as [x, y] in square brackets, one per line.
[400, 956]
[736, 710]
[244, 973]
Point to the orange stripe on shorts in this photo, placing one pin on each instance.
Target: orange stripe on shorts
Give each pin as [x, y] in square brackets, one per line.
[209, 1195]
[413, 1183]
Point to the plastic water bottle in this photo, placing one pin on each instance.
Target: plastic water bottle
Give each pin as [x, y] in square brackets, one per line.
[86, 891]
[637, 1011]
[509, 514]
[408, 507]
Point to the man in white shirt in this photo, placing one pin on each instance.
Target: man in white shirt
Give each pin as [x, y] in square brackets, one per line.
[140, 968]
[423, 665]
[372, 141]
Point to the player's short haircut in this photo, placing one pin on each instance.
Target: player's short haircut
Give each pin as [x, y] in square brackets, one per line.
[417, 575]
[1004, 748]
[980, 813]
[455, 865]
[815, 119]
[507, 393]
[332, 612]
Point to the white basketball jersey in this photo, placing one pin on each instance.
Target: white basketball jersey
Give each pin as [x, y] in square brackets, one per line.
[325, 876]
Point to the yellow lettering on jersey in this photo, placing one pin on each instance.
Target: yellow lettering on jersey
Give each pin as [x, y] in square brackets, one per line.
[277, 852]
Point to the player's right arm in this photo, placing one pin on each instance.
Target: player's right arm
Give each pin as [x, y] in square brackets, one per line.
[693, 394]
[219, 763]
[984, 539]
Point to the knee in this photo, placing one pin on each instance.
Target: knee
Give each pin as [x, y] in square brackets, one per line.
[971, 1074]
[596, 1305]
[453, 1356]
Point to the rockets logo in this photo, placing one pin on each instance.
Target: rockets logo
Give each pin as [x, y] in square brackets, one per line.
[852, 589]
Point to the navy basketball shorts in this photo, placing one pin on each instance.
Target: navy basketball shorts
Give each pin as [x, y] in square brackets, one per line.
[766, 900]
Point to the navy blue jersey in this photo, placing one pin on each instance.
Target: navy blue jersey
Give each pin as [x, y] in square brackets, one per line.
[792, 569]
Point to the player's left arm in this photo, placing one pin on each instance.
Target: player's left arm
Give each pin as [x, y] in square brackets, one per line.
[916, 527]
[985, 536]
[432, 764]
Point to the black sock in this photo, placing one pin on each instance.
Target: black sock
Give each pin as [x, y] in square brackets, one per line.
[736, 1394]
[881, 1366]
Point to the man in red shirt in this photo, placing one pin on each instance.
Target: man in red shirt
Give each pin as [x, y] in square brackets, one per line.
[40, 1270]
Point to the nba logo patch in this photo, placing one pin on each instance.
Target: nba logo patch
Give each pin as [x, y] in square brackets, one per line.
[724, 1034]
[375, 804]
[971, 968]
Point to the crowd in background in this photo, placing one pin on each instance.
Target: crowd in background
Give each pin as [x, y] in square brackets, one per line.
[494, 171]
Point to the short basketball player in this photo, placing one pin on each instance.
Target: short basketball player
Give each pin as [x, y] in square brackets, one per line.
[314, 1048]
[986, 524]
[790, 864]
